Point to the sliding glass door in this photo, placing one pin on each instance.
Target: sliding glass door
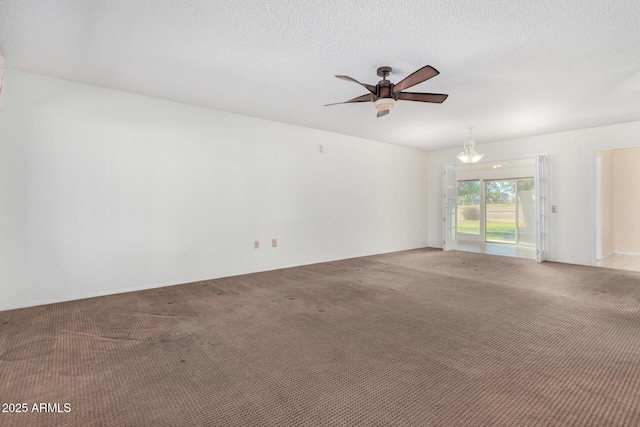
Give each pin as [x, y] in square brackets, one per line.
[510, 211]
[468, 210]
[500, 218]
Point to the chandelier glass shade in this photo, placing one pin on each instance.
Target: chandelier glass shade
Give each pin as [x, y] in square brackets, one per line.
[469, 155]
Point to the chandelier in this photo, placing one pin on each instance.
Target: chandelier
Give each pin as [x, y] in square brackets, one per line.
[469, 155]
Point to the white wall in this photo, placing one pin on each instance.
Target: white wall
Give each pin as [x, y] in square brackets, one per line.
[572, 169]
[465, 173]
[104, 191]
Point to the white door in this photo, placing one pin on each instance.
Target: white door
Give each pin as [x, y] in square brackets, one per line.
[542, 206]
[449, 208]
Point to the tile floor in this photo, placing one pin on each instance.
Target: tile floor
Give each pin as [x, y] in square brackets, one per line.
[621, 262]
[616, 261]
[497, 249]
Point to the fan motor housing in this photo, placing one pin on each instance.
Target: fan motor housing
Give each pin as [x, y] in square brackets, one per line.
[384, 89]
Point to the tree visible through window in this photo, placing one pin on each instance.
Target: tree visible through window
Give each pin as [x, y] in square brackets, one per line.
[510, 211]
[469, 207]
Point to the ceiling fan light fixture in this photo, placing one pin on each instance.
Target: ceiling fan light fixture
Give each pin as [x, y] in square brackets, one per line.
[469, 155]
[384, 103]
[385, 94]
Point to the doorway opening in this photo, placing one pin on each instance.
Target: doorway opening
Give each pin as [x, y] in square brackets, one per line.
[617, 230]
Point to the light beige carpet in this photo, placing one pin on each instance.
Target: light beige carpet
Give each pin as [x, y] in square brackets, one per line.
[416, 338]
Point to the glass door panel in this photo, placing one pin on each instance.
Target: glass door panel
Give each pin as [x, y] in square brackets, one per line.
[501, 211]
[526, 212]
[469, 207]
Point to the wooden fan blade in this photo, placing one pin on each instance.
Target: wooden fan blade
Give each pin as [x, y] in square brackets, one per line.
[382, 113]
[438, 98]
[370, 88]
[363, 98]
[424, 73]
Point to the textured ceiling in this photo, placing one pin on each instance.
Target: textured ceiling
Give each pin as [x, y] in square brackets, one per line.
[511, 68]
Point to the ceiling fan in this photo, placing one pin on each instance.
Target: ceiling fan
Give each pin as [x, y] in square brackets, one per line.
[385, 94]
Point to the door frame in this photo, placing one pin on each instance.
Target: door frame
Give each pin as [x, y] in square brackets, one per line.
[596, 199]
[449, 208]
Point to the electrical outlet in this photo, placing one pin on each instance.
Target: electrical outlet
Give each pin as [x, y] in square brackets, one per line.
[256, 245]
[274, 243]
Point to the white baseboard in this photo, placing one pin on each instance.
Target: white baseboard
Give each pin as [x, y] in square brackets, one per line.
[188, 280]
[626, 253]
